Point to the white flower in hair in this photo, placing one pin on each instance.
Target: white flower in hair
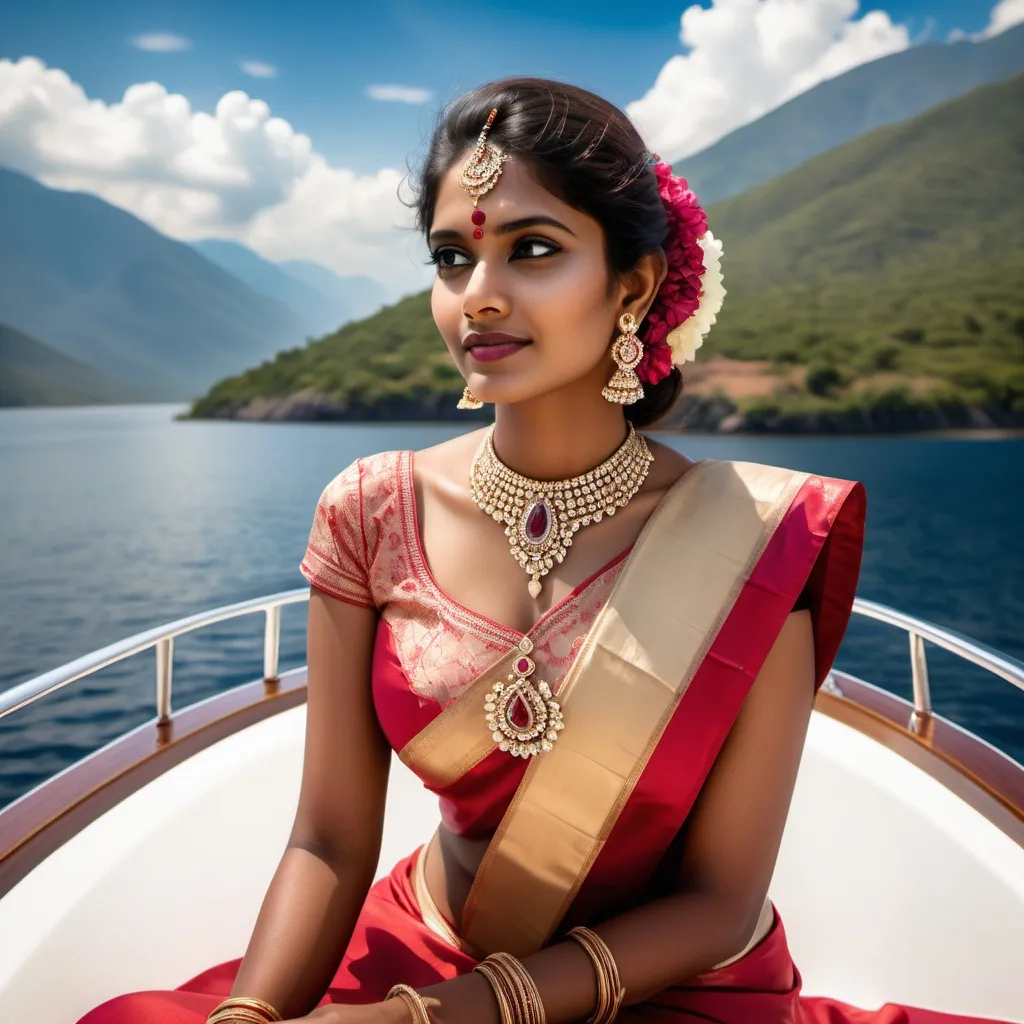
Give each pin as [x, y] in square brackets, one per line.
[685, 339]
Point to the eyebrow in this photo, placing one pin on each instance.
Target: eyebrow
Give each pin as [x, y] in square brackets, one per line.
[446, 234]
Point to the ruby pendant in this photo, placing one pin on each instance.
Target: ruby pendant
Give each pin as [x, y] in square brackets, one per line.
[519, 715]
[522, 714]
[538, 523]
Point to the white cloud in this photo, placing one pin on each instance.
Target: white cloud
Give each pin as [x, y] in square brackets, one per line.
[398, 94]
[1004, 15]
[259, 69]
[746, 57]
[235, 173]
[161, 42]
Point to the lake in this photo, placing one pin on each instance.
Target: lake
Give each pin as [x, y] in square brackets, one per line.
[116, 519]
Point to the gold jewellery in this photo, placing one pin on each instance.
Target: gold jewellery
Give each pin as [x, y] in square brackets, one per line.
[627, 351]
[239, 1009]
[479, 175]
[610, 992]
[519, 1000]
[413, 1000]
[523, 718]
[542, 516]
[481, 171]
[468, 400]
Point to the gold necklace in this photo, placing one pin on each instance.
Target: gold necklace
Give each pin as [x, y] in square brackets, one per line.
[541, 517]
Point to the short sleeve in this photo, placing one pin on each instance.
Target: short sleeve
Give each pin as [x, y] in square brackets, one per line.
[336, 559]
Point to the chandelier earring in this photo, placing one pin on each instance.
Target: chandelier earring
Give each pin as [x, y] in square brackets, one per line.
[627, 350]
[469, 400]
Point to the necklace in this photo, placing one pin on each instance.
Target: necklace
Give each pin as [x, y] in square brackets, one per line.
[542, 516]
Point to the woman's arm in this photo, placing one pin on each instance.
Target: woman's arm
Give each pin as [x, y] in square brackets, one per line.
[732, 841]
[318, 889]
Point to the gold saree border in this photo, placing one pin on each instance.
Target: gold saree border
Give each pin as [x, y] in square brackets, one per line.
[453, 743]
[626, 683]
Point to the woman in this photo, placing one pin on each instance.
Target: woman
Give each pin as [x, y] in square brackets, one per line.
[612, 717]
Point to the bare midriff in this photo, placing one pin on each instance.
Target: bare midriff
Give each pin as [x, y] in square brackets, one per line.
[451, 863]
[449, 869]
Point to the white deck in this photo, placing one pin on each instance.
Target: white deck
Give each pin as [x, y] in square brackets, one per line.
[891, 889]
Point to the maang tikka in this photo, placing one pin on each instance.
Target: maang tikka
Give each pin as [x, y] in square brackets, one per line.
[479, 175]
[625, 388]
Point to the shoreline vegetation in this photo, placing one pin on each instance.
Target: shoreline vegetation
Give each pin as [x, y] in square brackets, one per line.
[877, 288]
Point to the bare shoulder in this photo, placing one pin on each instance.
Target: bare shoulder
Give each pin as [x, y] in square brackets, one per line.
[668, 466]
[447, 464]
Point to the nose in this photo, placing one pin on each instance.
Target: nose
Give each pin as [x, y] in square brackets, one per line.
[484, 298]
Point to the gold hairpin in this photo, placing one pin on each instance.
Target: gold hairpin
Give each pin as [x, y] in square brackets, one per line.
[481, 171]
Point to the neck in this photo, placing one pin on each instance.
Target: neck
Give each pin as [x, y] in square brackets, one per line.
[558, 435]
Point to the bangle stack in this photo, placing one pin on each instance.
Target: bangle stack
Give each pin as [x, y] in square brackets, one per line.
[244, 1010]
[610, 992]
[412, 999]
[519, 1001]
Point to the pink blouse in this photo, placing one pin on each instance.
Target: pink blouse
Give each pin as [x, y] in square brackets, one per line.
[364, 548]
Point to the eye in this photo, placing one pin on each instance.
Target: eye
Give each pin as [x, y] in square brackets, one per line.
[534, 243]
[444, 258]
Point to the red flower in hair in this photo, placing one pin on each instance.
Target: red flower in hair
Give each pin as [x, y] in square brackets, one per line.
[679, 295]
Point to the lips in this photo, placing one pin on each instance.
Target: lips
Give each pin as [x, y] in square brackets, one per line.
[492, 338]
[492, 346]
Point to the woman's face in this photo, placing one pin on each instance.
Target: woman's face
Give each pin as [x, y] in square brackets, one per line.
[538, 274]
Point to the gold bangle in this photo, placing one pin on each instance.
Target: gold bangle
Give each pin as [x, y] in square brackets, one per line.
[531, 1001]
[502, 993]
[610, 992]
[237, 1015]
[519, 1000]
[246, 1003]
[412, 999]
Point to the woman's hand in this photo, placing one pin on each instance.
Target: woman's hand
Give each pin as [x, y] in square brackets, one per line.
[391, 1011]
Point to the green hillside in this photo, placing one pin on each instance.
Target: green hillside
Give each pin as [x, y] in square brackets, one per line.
[882, 277]
[843, 108]
[899, 256]
[32, 373]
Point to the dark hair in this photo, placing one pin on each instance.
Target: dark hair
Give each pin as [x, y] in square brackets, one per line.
[582, 149]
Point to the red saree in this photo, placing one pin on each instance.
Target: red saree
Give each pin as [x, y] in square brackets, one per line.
[754, 537]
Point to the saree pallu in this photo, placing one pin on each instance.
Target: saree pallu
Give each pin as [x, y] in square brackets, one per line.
[654, 691]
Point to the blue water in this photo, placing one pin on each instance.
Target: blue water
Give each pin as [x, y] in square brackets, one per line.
[118, 519]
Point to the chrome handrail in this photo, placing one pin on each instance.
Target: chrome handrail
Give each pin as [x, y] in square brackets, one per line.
[918, 631]
[162, 638]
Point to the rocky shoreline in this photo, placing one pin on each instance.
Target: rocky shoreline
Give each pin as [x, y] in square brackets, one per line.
[696, 414]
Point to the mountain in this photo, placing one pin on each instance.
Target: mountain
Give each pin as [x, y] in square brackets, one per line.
[106, 289]
[32, 373]
[321, 299]
[358, 294]
[870, 96]
[877, 286]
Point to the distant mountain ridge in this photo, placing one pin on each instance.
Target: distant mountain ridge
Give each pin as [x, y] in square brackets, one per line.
[103, 287]
[321, 299]
[839, 110]
[32, 373]
[877, 286]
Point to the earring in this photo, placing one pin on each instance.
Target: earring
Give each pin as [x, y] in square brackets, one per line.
[469, 400]
[627, 351]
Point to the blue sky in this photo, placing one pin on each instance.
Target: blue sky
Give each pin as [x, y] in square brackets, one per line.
[326, 54]
[156, 106]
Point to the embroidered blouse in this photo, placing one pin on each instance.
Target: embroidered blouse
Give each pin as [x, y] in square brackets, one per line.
[364, 548]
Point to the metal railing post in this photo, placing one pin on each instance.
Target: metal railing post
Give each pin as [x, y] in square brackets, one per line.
[164, 677]
[272, 644]
[919, 677]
